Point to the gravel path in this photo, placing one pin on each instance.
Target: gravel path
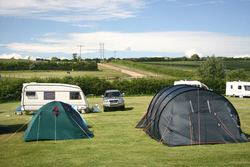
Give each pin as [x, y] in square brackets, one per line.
[133, 74]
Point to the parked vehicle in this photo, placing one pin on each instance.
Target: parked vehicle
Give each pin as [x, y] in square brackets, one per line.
[112, 99]
[238, 88]
[35, 95]
[192, 83]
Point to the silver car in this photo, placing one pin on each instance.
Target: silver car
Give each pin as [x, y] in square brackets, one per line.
[112, 99]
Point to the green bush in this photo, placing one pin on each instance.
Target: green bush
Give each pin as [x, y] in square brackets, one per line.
[218, 85]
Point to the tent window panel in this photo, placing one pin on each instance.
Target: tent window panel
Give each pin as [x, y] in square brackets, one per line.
[75, 96]
[49, 95]
[31, 94]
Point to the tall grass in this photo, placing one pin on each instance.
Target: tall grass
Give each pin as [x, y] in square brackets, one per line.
[116, 142]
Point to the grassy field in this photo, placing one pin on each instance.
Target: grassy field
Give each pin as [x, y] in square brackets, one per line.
[116, 142]
[103, 73]
[12, 60]
[192, 65]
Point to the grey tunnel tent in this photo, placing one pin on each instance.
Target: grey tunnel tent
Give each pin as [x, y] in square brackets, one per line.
[185, 115]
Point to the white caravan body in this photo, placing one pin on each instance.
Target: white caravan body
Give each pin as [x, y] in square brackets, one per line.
[35, 95]
[192, 83]
[238, 88]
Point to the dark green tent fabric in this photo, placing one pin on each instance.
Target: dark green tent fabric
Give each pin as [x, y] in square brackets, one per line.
[56, 121]
[185, 115]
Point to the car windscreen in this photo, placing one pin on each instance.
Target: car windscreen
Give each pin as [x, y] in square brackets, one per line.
[112, 94]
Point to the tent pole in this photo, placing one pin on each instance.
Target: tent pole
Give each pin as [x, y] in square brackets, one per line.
[55, 128]
[38, 128]
[81, 128]
[199, 125]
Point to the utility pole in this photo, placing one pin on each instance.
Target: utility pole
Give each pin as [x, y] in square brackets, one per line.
[102, 50]
[80, 49]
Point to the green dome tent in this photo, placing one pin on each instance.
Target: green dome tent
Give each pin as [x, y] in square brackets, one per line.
[56, 121]
[186, 115]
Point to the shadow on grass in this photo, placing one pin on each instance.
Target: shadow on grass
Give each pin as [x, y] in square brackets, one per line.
[8, 129]
[118, 109]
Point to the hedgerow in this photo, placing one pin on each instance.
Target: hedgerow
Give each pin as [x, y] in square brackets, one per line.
[10, 90]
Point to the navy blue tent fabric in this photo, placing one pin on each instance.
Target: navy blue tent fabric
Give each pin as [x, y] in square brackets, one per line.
[186, 115]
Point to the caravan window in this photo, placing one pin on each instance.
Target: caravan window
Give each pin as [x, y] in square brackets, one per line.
[247, 88]
[239, 87]
[49, 95]
[75, 95]
[231, 86]
[31, 94]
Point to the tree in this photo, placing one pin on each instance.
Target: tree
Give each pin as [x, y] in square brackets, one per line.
[238, 74]
[54, 59]
[213, 67]
[79, 58]
[195, 57]
[74, 57]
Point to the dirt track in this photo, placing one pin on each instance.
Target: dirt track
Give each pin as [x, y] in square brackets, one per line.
[133, 74]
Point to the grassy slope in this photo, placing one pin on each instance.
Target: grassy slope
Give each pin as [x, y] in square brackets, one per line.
[192, 65]
[116, 142]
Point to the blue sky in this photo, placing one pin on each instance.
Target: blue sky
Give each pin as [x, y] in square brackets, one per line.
[132, 28]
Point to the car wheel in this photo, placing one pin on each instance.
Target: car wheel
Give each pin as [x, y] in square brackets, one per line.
[104, 108]
[123, 107]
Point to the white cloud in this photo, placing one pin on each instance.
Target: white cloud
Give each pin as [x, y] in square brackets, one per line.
[181, 42]
[9, 56]
[62, 58]
[207, 2]
[68, 11]
[191, 52]
[30, 57]
[16, 56]
[85, 25]
[242, 56]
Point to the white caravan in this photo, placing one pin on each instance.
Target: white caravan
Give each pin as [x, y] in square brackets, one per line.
[35, 95]
[192, 83]
[238, 88]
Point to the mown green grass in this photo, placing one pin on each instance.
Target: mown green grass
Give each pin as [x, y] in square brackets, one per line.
[102, 73]
[116, 142]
